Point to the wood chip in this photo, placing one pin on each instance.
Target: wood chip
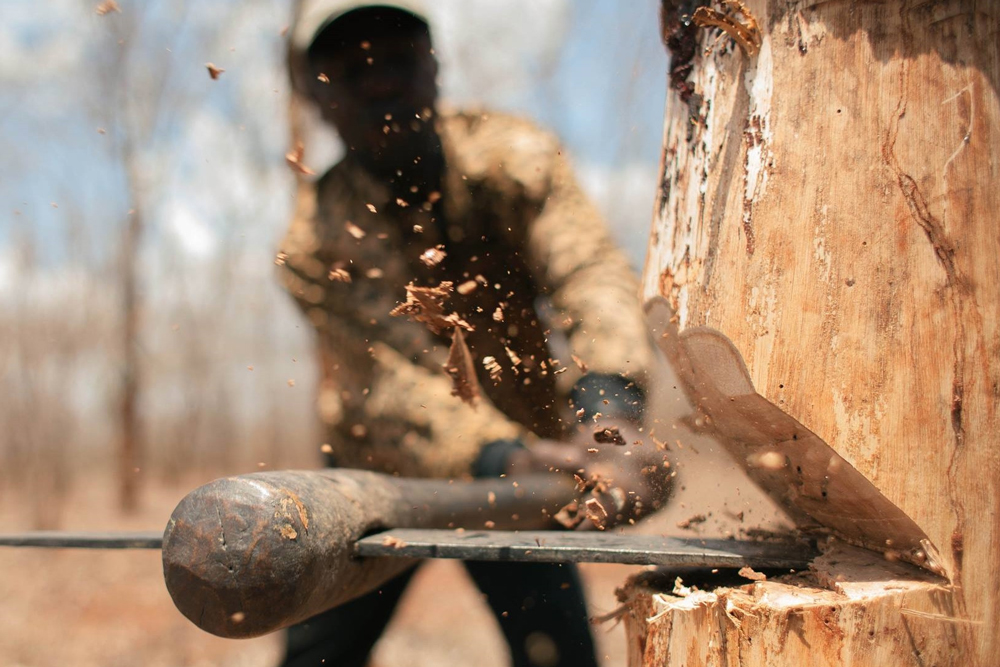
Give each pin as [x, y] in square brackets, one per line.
[498, 314]
[493, 367]
[340, 275]
[107, 7]
[462, 370]
[294, 158]
[214, 71]
[596, 513]
[433, 256]
[579, 363]
[323, 78]
[354, 230]
[468, 287]
[393, 541]
[751, 574]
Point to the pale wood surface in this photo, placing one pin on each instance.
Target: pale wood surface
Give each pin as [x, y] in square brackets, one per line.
[830, 205]
[853, 609]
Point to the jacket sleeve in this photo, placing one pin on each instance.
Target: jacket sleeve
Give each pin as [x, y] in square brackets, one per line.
[383, 398]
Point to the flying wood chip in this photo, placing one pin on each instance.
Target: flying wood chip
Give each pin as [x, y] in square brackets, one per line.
[107, 7]
[294, 158]
[214, 71]
[462, 369]
[433, 256]
[426, 304]
[354, 230]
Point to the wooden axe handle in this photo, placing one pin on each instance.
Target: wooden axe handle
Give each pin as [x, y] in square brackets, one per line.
[244, 556]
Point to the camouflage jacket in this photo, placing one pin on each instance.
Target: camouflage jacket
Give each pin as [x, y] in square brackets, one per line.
[547, 295]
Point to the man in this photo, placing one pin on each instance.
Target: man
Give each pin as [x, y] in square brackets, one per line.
[518, 303]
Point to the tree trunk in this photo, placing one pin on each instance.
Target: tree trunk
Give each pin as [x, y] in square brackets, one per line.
[828, 203]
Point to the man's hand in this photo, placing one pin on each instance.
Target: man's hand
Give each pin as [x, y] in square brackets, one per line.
[627, 476]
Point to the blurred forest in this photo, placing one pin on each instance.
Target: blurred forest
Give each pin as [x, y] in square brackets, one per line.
[143, 338]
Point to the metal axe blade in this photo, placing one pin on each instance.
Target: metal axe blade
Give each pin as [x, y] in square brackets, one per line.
[501, 545]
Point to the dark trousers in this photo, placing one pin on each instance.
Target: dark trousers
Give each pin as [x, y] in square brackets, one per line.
[540, 607]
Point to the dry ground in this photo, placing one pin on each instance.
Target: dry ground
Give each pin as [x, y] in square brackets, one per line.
[110, 608]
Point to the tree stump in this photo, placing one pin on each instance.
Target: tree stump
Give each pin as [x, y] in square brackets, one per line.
[829, 197]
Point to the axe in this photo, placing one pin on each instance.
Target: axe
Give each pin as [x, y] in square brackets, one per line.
[251, 554]
[244, 556]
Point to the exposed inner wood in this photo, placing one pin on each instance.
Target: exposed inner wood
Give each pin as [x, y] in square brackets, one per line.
[838, 613]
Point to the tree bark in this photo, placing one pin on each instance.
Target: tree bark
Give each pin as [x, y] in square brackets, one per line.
[828, 203]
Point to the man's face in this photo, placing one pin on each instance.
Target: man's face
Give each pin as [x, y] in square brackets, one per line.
[376, 90]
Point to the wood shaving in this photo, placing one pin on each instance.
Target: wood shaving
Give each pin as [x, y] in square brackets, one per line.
[426, 305]
[323, 78]
[579, 363]
[751, 574]
[514, 359]
[433, 256]
[280, 258]
[294, 158]
[371, 207]
[462, 369]
[107, 7]
[401, 203]
[214, 71]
